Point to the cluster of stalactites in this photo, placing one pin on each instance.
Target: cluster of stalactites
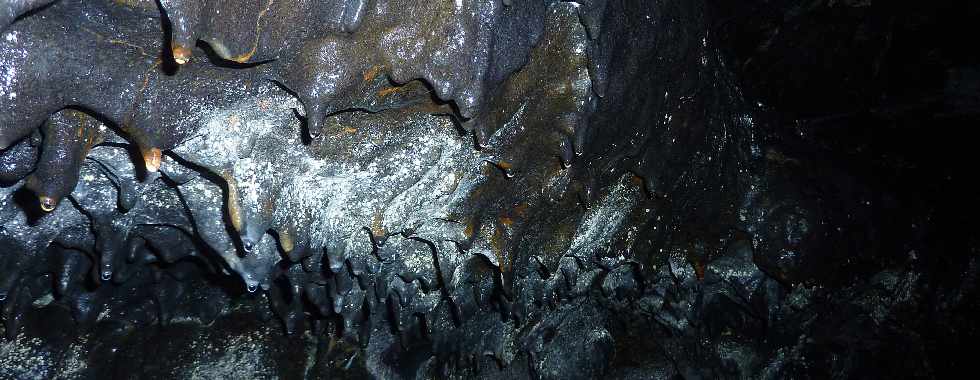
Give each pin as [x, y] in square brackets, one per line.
[114, 72]
[323, 51]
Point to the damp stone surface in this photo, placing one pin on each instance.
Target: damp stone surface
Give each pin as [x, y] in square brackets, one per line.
[494, 189]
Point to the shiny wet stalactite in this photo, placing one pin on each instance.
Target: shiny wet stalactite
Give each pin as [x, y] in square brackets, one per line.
[443, 189]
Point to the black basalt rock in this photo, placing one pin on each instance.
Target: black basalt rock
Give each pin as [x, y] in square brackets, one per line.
[484, 189]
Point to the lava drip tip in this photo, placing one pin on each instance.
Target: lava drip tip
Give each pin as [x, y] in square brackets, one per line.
[248, 244]
[106, 273]
[47, 203]
[182, 54]
[315, 113]
[184, 16]
[566, 151]
[505, 166]
[152, 158]
[251, 286]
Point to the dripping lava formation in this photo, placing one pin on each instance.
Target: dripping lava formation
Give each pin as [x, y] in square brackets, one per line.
[483, 189]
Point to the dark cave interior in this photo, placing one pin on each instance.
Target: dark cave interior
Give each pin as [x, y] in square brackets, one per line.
[487, 189]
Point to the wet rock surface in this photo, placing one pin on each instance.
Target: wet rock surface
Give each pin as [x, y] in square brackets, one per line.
[484, 189]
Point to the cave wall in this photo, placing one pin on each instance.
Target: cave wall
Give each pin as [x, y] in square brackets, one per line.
[489, 189]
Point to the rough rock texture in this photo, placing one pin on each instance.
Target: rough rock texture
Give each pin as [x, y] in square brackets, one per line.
[483, 189]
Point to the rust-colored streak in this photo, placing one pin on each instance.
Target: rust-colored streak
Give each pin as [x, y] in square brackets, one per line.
[141, 50]
[388, 91]
[127, 123]
[243, 58]
[234, 211]
[377, 224]
[497, 246]
[372, 73]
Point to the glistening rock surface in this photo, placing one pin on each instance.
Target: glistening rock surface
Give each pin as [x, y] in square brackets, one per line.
[463, 189]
